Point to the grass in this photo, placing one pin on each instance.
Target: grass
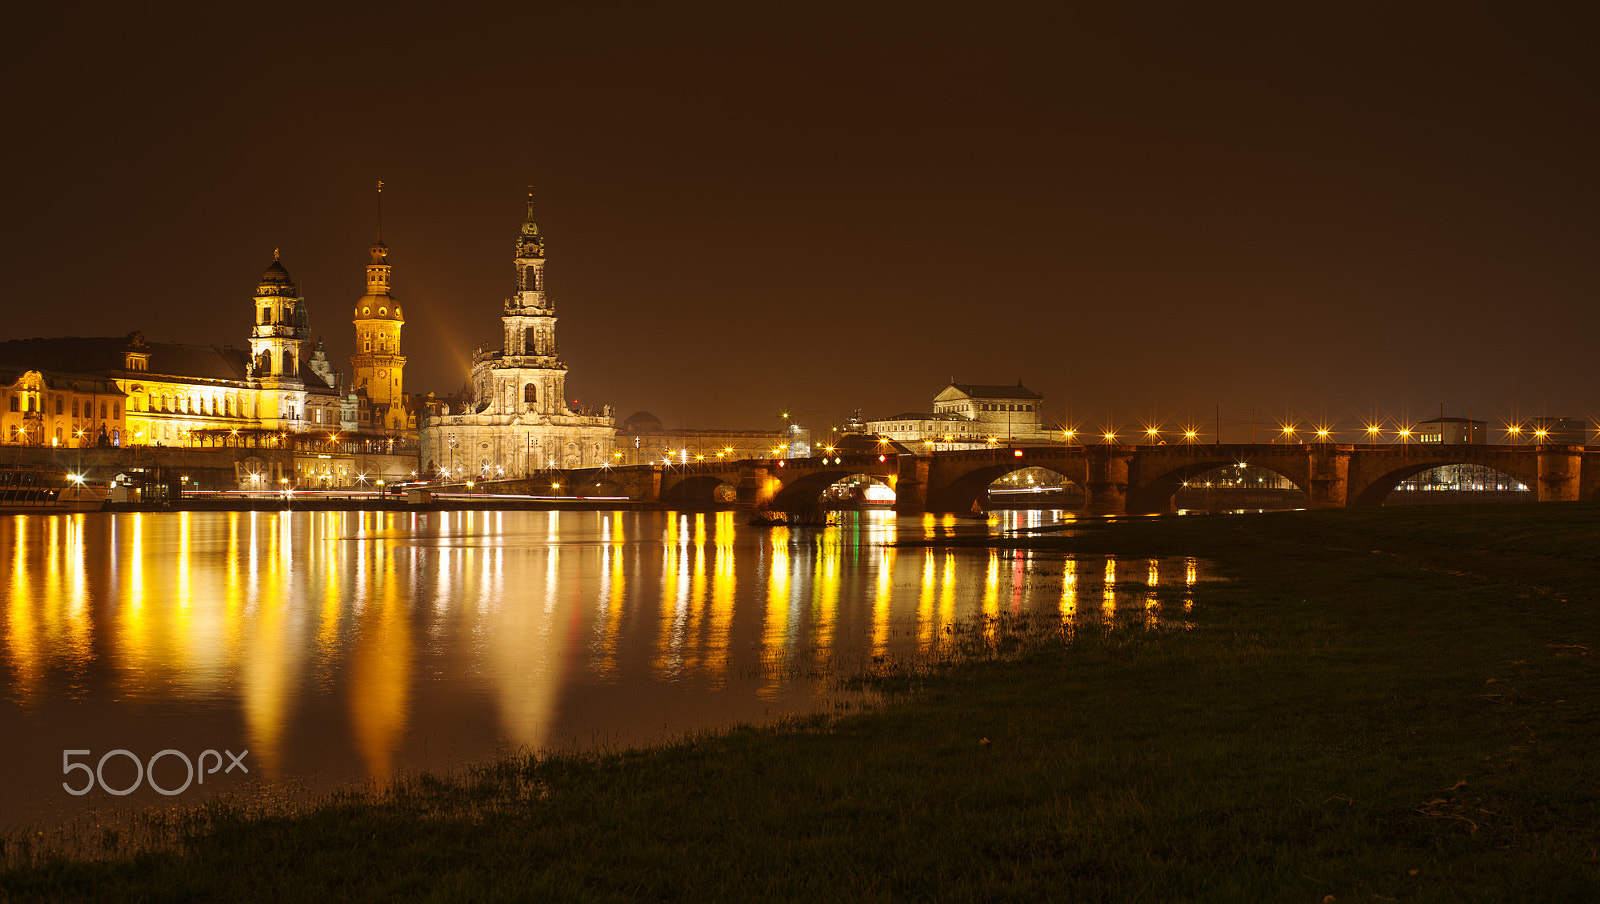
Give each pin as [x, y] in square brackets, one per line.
[1377, 705]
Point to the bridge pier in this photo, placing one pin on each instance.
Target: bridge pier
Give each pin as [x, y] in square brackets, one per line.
[1560, 474]
[757, 487]
[911, 484]
[1107, 483]
[1329, 484]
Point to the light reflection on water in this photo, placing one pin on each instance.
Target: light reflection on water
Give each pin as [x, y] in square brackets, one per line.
[338, 646]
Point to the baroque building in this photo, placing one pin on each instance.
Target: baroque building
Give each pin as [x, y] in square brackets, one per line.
[278, 402]
[518, 422]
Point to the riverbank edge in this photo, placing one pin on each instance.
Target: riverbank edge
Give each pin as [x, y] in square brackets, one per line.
[1391, 704]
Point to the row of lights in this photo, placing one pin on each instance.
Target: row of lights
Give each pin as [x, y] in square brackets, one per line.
[1290, 432]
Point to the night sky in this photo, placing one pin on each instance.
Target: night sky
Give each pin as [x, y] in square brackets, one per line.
[1138, 210]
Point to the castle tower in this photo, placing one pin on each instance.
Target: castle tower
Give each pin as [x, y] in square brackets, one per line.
[377, 363]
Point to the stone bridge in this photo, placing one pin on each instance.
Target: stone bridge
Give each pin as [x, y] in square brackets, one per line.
[1115, 478]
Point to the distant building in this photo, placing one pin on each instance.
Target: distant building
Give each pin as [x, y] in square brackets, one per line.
[913, 428]
[518, 421]
[642, 440]
[1450, 431]
[971, 414]
[1570, 431]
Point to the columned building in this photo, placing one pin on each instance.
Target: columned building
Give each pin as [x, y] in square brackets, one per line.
[519, 422]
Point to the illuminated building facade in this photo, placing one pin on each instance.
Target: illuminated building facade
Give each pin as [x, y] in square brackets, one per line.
[966, 414]
[46, 408]
[281, 394]
[518, 422]
[1450, 431]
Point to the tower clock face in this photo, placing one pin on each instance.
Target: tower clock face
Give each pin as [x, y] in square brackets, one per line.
[382, 373]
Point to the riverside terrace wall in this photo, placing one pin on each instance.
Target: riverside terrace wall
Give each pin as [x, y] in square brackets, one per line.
[206, 469]
[212, 469]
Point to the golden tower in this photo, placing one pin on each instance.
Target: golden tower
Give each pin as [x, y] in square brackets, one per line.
[377, 363]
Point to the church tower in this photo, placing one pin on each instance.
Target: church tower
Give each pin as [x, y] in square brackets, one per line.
[528, 378]
[530, 318]
[377, 363]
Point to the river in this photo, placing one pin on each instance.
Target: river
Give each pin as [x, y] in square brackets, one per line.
[327, 648]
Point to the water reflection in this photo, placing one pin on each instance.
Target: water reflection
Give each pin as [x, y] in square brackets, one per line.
[340, 645]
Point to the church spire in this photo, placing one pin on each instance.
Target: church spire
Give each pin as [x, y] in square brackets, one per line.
[378, 249]
[529, 227]
[530, 267]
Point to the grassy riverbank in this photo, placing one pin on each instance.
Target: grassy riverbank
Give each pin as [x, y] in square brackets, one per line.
[1391, 704]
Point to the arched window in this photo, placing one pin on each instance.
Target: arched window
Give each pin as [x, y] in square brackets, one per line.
[530, 394]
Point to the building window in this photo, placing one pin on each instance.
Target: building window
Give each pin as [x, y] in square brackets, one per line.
[61, 405]
[75, 408]
[102, 411]
[116, 410]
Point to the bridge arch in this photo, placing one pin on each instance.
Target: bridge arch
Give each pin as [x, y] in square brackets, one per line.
[1377, 488]
[698, 492]
[1157, 493]
[804, 491]
[972, 487]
